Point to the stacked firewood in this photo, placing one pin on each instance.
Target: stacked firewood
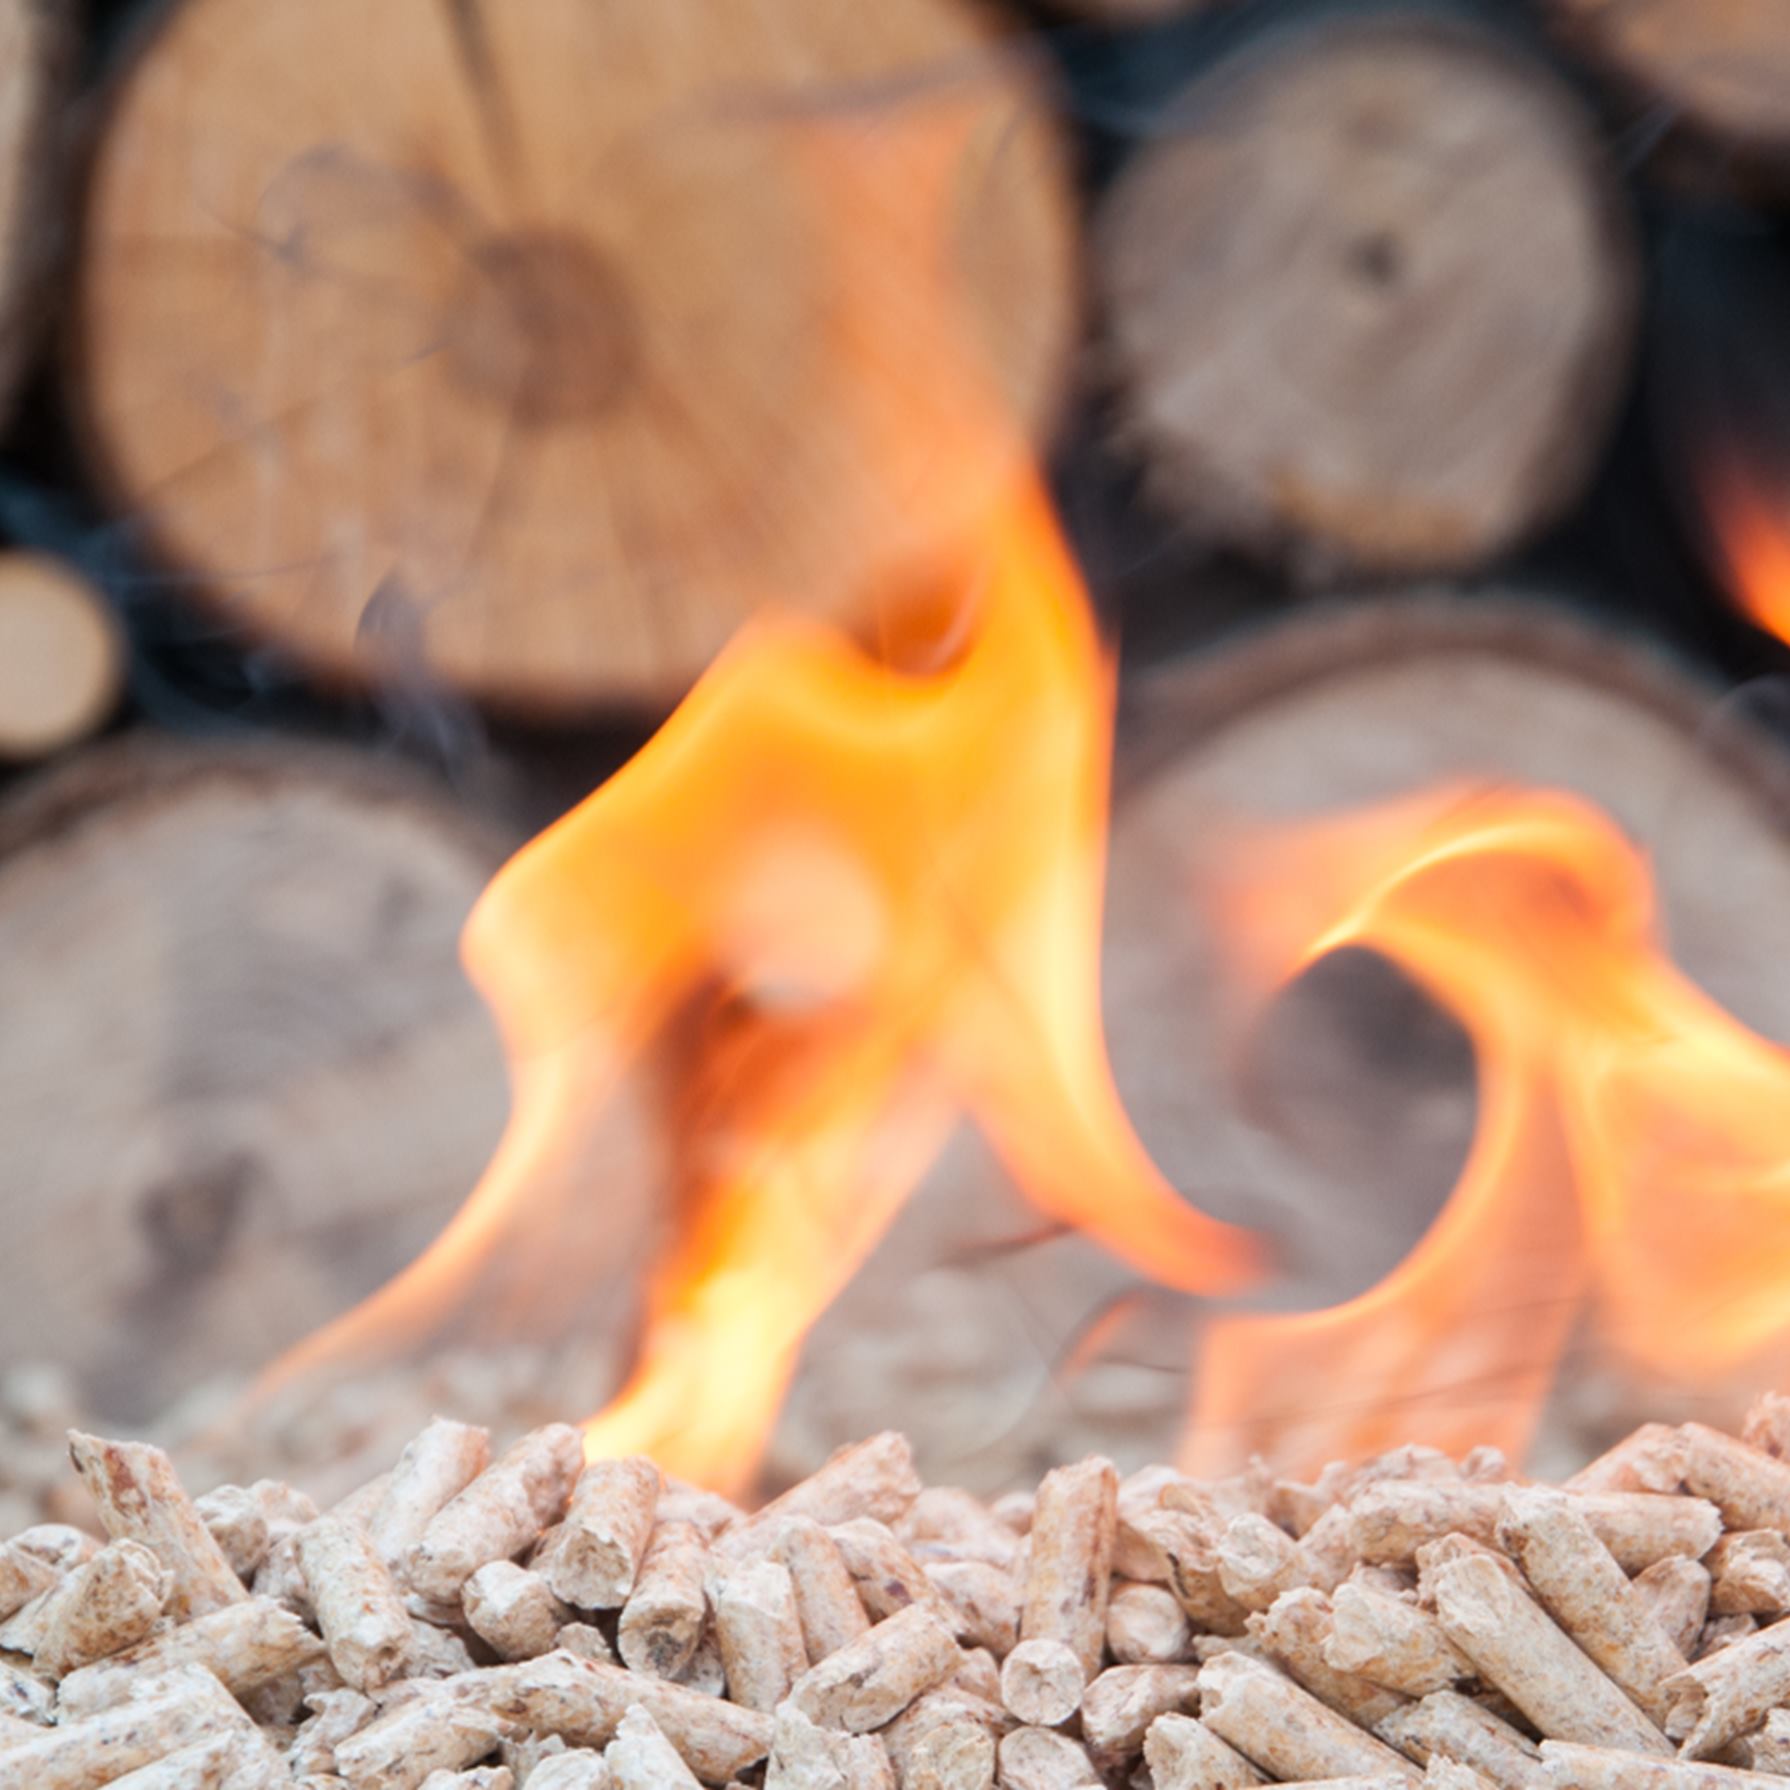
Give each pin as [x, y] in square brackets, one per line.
[534, 1620]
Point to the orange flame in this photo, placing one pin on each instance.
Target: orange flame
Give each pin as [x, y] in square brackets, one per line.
[1752, 537]
[1633, 1144]
[897, 880]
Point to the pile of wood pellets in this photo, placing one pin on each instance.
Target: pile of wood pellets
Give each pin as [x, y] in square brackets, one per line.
[535, 1621]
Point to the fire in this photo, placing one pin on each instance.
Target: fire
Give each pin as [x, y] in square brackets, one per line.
[1633, 1148]
[1752, 536]
[867, 901]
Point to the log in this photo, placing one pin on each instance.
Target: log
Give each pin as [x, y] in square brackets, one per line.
[61, 657]
[1723, 69]
[242, 1078]
[542, 343]
[36, 63]
[1325, 306]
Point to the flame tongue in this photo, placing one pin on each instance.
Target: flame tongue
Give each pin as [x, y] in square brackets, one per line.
[895, 881]
[1633, 1138]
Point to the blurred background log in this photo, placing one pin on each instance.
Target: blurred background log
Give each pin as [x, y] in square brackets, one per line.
[37, 54]
[61, 657]
[241, 1075]
[1370, 296]
[1723, 66]
[532, 347]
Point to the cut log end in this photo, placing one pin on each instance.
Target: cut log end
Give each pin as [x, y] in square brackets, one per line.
[574, 334]
[36, 42]
[1371, 301]
[243, 1079]
[61, 657]
[1724, 68]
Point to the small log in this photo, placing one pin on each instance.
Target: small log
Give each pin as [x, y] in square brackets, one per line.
[61, 657]
[242, 1079]
[543, 344]
[1725, 69]
[37, 50]
[1326, 302]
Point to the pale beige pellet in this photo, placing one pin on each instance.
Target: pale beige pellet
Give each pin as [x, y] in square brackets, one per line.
[1584, 1768]
[827, 1601]
[979, 1673]
[1118, 1707]
[1720, 1632]
[1750, 1574]
[577, 1768]
[1578, 1581]
[499, 1514]
[1723, 1695]
[1651, 1459]
[592, 1559]
[887, 1576]
[946, 1522]
[982, 1599]
[1297, 1633]
[140, 1498]
[365, 1625]
[1444, 1774]
[1749, 1487]
[1069, 1572]
[431, 1731]
[806, 1756]
[663, 1619]
[480, 1777]
[511, 1609]
[1327, 1548]
[437, 1465]
[177, 1711]
[585, 1640]
[873, 1478]
[759, 1632]
[1677, 1592]
[641, 1758]
[238, 1524]
[237, 1760]
[1390, 1521]
[1145, 1626]
[1042, 1682]
[1257, 1562]
[23, 1576]
[1516, 1646]
[583, 1700]
[1184, 1754]
[100, 1608]
[869, 1682]
[1770, 1746]
[25, 1694]
[334, 1715]
[1389, 1639]
[955, 1755]
[948, 1702]
[1285, 1730]
[245, 1645]
[1042, 1759]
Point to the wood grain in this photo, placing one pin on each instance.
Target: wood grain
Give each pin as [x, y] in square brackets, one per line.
[1369, 296]
[543, 342]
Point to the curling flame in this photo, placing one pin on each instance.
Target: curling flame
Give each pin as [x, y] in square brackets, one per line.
[1633, 1144]
[1752, 534]
[896, 880]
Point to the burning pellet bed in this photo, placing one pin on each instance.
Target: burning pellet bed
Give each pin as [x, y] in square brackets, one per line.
[458, 1621]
